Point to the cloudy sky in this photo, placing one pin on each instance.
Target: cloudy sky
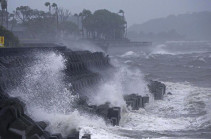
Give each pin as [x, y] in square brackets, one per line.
[136, 11]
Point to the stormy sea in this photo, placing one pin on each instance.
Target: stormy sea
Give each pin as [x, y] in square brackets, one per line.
[185, 112]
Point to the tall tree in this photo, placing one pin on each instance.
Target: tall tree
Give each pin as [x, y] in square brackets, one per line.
[84, 14]
[122, 12]
[54, 5]
[77, 18]
[3, 4]
[104, 24]
[23, 13]
[48, 4]
[63, 14]
[4, 12]
[123, 16]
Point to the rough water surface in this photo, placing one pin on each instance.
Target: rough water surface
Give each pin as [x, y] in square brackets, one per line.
[185, 68]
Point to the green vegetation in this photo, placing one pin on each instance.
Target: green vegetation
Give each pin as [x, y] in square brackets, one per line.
[103, 24]
[45, 24]
[10, 39]
[33, 24]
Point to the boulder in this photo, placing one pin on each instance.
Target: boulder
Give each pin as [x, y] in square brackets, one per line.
[134, 101]
[86, 136]
[169, 93]
[114, 115]
[158, 89]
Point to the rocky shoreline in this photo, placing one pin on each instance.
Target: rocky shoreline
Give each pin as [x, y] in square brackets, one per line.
[14, 122]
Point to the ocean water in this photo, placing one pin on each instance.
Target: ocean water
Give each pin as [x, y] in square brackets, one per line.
[185, 68]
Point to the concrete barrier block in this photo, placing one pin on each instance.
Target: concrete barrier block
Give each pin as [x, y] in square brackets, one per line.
[86, 136]
[134, 101]
[145, 100]
[74, 135]
[56, 136]
[42, 124]
[158, 89]
[35, 137]
[7, 116]
[114, 115]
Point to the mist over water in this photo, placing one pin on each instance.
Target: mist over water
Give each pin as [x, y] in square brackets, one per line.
[124, 80]
[81, 46]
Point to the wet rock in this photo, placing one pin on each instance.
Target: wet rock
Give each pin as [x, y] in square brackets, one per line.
[158, 89]
[74, 135]
[35, 137]
[110, 114]
[114, 115]
[145, 100]
[7, 116]
[169, 93]
[134, 101]
[14, 124]
[42, 124]
[86, 136]
[56, 136]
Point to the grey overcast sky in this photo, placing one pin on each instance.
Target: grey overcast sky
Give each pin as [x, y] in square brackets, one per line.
[136, 11]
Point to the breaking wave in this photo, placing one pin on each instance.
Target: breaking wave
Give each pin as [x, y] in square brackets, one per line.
[47, 98]
[130, 54]
[182, 47]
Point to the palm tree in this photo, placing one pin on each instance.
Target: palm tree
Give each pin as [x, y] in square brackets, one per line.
[48, 4]
[85, 13]
[3, 4]
[77, 16]
[13, 20]
[123, 16]
[122, 12]
[82, 26]
[54, 5]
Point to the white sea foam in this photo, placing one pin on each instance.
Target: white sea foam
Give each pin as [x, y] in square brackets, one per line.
[46, 96]
[125, 80]
[181, 47]
[174, 112]
[129, 54]
[160, 49]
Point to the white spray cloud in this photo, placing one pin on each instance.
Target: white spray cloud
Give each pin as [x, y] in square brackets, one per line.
[43, 85]
[82, 45]
[47, 97]
[124, 80]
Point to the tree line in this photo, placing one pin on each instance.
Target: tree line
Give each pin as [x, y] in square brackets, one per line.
[100, 25]
[103, 24]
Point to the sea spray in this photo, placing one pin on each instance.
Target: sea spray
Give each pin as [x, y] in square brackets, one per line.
[123, 80]
[46, 94]
[82, 45]
[47, 97]
[183, 110]
[43, 84]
